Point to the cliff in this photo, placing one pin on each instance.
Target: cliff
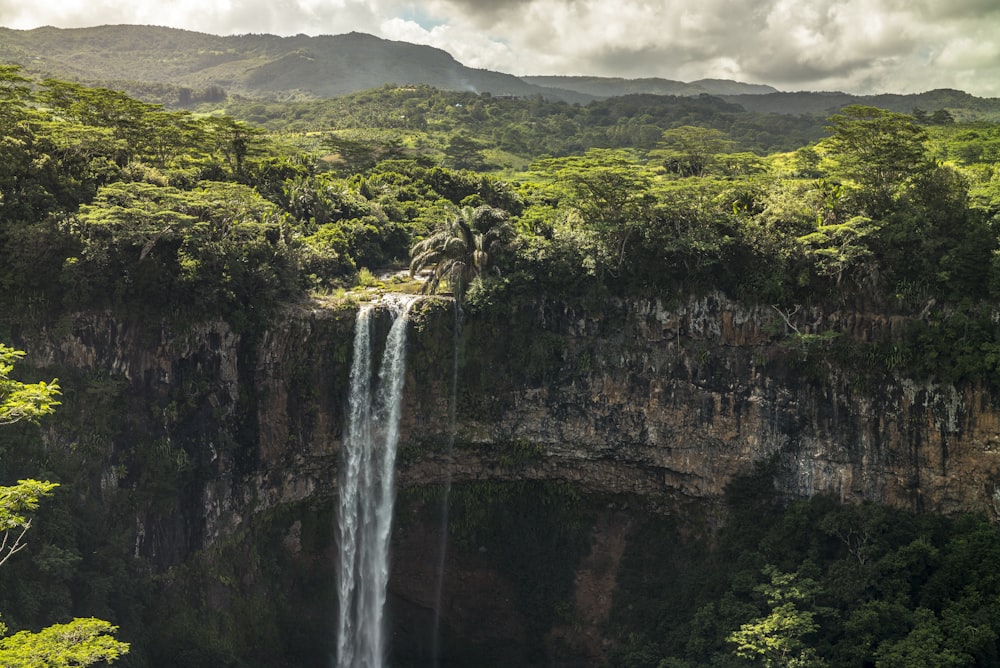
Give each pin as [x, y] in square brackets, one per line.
[638, 397]
[204, 435]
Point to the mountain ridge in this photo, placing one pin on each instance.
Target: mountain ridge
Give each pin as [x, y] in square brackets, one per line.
[250, 65]
[164, 65]
[618, 86]
[254, 65]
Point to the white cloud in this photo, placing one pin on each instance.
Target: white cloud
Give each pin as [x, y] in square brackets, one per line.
[852, 45]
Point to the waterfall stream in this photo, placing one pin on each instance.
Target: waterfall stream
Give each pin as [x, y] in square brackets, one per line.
[366, 488]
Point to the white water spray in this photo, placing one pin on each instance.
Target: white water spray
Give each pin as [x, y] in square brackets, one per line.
[366, 490]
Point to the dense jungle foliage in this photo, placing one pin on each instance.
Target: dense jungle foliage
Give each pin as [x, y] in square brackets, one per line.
[810, 583]
[110, 203]
[813, 583]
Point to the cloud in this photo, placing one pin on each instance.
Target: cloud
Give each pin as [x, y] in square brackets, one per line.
[853, 45]
[221, 17]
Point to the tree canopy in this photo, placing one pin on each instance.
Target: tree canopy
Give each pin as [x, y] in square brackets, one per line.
[23, 401]
[882, 151]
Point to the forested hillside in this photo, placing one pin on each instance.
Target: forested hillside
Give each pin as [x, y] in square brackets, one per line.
[112, 202]
[113, 205]
[139, 205]
[495, 132]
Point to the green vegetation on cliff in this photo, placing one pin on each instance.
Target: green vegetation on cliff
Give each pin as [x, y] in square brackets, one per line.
[82, 641]
[111, 202]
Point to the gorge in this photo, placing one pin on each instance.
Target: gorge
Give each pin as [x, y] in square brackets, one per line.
[575, 426]
[716, 388]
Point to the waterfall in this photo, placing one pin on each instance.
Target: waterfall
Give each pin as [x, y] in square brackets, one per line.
[366, 489]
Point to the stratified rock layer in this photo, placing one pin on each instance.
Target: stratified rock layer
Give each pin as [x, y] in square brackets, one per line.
[664, 400]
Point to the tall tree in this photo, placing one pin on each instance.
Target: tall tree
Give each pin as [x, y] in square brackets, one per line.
[690, 150]
[13, 85]
[463, 248]
[777, 638]
[611, 194]
[23, 401]
[881, 151]
[464, 152]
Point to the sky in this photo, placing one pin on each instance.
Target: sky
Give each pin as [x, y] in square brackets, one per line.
[855, 46]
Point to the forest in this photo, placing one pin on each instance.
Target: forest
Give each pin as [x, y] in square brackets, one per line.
[110, 202]
[237, 209]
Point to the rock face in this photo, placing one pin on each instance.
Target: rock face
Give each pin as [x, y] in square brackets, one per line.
[638, 397]
[697, 391]
[666, 401]
[655, 399]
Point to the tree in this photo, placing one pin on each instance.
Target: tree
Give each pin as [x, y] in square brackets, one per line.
[690, 150]
[463, 248]
[232, 140]
[132, 123]
[611, 194]
[222, 243]
[23, 401]
[925, 646]
[361, 153]
[13, 85]
[777, 637]
[838, 248]
[881, 151]
[942, 117]
[82, 641]
[15, 502]
[464, 152]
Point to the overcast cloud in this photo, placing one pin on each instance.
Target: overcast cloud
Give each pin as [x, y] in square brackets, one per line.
[858, 46]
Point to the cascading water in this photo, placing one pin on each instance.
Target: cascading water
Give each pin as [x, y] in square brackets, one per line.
[366, 489]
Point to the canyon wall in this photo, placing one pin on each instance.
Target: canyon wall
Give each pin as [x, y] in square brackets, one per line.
[213, 441]
[642, 397]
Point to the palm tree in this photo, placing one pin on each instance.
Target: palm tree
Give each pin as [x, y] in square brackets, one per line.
[463, 248]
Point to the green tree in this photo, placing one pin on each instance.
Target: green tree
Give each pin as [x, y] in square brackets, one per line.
[611, 195]
[23, 401]
[777, 638]
[13, 84]
[82, 641]
[360, 153]
[221, 243]
[925, 646]
[690, 150]
[15, 502]
[838, 248]
[463, 248]
[881, 151]
[233, 141]
[464, 152]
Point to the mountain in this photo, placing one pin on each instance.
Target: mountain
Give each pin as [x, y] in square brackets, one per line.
[299, 66]
[249, 65]
[613, 87]
[176, 67]
[730, 87]
[963, 105]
